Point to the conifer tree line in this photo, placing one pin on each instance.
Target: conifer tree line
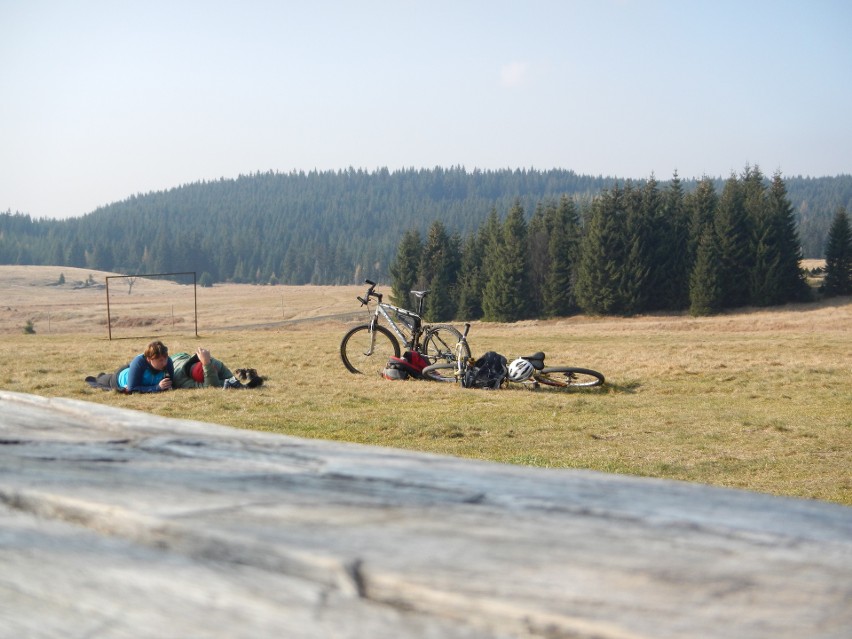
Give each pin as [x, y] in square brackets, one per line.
[633, 249]
[329, 227]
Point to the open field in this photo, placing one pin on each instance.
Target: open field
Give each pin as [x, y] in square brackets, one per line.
[154, 306]
[760, 400]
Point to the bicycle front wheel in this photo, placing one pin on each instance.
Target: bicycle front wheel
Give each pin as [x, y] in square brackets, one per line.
[363, 351]
[566, 376]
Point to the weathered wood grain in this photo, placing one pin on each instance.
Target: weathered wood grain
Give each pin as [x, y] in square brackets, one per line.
[115, 523]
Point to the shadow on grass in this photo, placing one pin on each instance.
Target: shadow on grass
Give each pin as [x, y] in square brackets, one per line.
[607, 389]
[629, 386]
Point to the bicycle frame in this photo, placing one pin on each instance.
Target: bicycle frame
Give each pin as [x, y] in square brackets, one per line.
[384, 310]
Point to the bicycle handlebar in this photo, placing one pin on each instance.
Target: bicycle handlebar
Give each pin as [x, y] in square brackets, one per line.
[370, 293]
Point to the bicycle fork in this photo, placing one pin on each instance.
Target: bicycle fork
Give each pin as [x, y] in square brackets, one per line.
[372, 332]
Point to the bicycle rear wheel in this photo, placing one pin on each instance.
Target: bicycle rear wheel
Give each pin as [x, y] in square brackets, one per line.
[366, 352]
[441, 342]
[567, 376]
[441, 346]
[440, 372]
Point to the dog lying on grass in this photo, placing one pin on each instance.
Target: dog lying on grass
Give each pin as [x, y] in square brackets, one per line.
[248, 377]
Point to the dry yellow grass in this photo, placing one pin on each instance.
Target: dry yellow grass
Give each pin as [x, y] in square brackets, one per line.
[154, 306]
[759, 400]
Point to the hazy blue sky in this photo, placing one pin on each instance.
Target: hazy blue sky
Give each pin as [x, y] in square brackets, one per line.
[101, 100]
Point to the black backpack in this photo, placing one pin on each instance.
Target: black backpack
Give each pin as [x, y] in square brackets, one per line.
[488, 371]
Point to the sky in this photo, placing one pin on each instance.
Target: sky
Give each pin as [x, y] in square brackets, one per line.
[101, 100]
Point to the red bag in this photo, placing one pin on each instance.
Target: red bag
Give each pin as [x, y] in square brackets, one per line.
[411, 364]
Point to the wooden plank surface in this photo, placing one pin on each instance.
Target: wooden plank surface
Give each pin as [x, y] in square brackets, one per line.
[115, 523]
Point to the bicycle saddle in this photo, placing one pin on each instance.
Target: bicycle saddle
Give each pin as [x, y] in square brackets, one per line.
[536, 359]
[420, 294]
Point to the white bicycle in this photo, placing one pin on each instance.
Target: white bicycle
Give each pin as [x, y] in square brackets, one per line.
[368, 347]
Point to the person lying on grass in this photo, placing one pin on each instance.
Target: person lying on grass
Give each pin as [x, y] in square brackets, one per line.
[201, 370]
[148, 372]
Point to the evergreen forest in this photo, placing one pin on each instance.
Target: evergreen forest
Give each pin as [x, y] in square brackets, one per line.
[635, 249]
[339, 227]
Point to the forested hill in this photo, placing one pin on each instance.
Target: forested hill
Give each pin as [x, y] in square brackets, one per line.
[332, 227]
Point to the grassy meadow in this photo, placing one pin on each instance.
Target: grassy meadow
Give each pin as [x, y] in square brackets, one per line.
[759, 400]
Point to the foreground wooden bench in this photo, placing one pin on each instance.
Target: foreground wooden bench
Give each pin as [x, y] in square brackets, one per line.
[115, 523]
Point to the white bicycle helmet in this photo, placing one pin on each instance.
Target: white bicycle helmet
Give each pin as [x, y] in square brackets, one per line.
[520, 370]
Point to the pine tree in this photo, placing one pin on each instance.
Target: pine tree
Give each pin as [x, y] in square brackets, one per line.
[76, 254]
[602, 256]
[437, 272]
[733, 236]
[701, 210]
[404, 268]
[637, 275]
[434, 254]
[491, 239]
[57, 253]
[506, 295]
[776, 276]
[470, 284]
[763, 280]
[538, 238]
[792, 284]
[440, 305]
[705, 290]
[163, 247]
[838, 256]
[558, 296]
[672, 252]
[102, 257]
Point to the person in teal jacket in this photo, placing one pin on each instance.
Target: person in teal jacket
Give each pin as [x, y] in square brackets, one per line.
[200, 370]
[148, 372]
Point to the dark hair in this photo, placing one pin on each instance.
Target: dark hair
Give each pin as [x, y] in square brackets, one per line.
[156, 349]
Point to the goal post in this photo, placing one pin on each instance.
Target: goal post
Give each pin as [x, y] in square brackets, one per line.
[152, 298]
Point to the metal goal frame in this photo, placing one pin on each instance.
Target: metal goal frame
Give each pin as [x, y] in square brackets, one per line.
[194, 293]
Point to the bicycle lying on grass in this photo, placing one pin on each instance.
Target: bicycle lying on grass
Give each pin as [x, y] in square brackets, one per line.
[491, 371]
[367, 348]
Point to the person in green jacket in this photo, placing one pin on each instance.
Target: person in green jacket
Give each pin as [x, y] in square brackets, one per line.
[200, 370]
